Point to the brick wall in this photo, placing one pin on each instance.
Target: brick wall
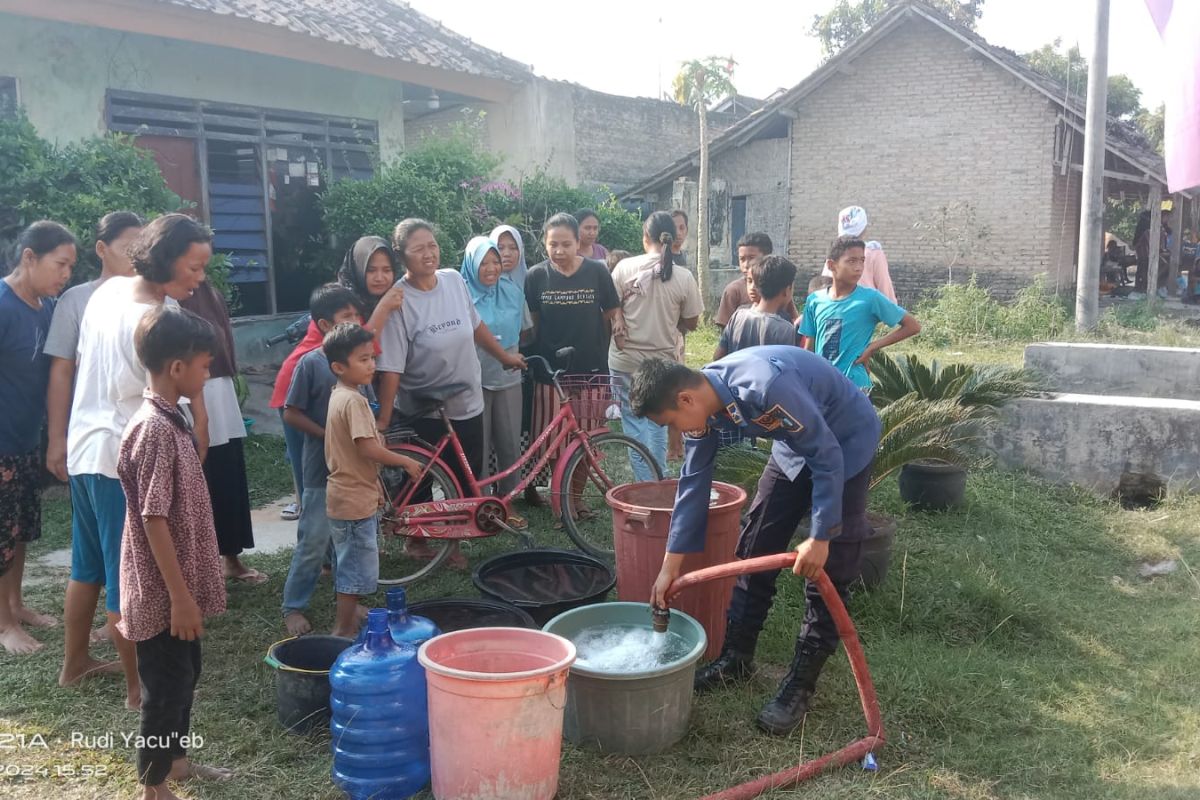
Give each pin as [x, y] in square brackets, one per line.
[583, 136]
[1064, 229]
[917, 123]
[620, 141]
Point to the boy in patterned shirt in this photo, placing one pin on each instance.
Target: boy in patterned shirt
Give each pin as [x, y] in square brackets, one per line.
[171, 575]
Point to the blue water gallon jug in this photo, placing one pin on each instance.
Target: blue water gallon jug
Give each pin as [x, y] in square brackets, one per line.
[380, 720]
[406, 627]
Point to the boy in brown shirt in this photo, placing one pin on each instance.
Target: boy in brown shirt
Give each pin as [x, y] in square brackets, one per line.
[353, 452]
[171, 577]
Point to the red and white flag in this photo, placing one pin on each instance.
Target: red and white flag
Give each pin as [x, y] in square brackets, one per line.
[1178, 23]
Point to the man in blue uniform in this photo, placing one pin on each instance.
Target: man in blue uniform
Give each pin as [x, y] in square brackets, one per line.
[825, 433]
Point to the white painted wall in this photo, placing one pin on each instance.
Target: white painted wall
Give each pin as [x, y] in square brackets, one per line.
[64, 70]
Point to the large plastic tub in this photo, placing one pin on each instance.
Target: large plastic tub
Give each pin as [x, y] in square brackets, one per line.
[458, 613]
[635, 713]
[641, 523]
[545, 582]
[496, 699]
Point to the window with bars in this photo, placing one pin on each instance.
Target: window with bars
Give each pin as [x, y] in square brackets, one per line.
[259, 171]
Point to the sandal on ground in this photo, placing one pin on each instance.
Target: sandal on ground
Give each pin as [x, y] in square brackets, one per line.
[251, 577]
[517, 522]
[290, 512]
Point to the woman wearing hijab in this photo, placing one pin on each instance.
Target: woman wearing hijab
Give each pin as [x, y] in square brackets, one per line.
[852, 221]
[501, 305]
[369, 270]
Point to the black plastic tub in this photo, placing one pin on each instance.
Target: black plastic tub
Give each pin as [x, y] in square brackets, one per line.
[302, 666]
[545, 582]
[460, 613]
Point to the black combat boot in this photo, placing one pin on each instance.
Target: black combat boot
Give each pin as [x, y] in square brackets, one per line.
[733, 665]
[787, 708]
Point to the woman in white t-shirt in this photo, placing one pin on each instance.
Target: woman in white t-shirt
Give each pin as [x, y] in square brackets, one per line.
[658, 301]
[169, 256]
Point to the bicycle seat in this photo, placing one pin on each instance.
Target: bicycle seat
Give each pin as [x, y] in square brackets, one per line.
[417, 406]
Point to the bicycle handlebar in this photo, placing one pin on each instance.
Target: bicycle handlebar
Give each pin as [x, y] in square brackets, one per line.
[554, 373]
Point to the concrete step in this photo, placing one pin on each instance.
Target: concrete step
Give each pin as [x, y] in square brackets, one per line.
[1103, 443]
[1113, 369]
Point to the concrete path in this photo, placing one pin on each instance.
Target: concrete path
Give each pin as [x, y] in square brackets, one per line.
[271, 535]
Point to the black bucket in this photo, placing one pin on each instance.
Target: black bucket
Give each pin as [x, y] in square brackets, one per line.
[545, 582]
[302, 666]
[457, 614]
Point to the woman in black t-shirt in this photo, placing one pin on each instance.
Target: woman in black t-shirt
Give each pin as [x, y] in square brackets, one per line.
[573, 303]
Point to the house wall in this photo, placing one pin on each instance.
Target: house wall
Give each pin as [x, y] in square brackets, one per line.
[619, 141]
[1066, 202]
[759, 172]
[585, 137]
[64, 70]
[918, 125]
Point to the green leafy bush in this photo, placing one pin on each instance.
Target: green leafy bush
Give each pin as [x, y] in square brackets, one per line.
[451, 182]
[76, 185]
[967, 313]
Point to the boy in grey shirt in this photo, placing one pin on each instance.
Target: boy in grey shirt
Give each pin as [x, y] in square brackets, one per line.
[770, 282]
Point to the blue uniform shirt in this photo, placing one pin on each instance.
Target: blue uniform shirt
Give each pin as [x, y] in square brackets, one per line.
[815, 415]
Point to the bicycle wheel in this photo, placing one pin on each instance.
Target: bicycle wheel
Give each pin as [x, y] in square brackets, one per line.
[586, 515]
[404, 559]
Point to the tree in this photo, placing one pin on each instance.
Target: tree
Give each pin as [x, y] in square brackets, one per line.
[699, 84]
[1152, 124]
[1069, 68]
[850, 18]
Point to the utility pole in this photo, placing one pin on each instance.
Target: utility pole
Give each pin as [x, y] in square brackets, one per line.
[1091, 218]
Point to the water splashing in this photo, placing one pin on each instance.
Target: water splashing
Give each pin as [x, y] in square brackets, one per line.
[627, 648]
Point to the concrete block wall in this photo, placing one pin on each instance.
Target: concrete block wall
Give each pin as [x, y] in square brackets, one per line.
[621, 140]
[1114, 369]
[917, 123]
[1124, 420]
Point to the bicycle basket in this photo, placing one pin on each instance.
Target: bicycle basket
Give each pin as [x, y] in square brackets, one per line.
[590, 397]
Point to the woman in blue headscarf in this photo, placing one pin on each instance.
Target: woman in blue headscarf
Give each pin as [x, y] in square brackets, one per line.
[500, 301]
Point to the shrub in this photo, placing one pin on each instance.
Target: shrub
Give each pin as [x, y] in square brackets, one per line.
[450, 182]
[959, 313]
[967, 313]
[75, 185]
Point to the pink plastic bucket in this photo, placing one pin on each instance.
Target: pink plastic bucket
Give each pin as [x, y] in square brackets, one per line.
[496, 700]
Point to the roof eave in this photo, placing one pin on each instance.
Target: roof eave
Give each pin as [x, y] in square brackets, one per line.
[185, 24]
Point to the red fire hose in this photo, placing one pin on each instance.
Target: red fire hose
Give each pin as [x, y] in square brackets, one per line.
[854, 751]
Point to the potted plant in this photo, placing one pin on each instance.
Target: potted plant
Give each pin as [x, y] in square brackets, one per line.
[934, 416]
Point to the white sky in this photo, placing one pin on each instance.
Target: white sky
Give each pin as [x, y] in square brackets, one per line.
[634, 47]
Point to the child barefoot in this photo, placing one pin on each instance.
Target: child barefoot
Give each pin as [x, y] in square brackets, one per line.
[170, 569]
[353, 452]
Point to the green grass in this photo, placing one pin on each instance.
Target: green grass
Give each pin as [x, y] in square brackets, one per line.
[1015, 651]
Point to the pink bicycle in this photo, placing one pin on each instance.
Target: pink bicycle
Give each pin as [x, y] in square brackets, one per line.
[436, 508]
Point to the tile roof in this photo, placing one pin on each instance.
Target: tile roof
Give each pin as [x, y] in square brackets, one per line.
[385, 28]
[1123, 138]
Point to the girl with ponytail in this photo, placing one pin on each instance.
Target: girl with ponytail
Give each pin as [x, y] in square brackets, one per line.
[659, 301]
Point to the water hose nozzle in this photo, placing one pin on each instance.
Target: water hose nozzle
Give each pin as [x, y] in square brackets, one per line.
[660, 619]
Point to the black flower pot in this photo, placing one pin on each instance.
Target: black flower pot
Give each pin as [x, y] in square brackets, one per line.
[933, 485]
[877, 550]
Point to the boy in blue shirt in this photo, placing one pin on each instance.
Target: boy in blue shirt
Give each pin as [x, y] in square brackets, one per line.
[305, 409]
[841, 320]
[826, 433]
